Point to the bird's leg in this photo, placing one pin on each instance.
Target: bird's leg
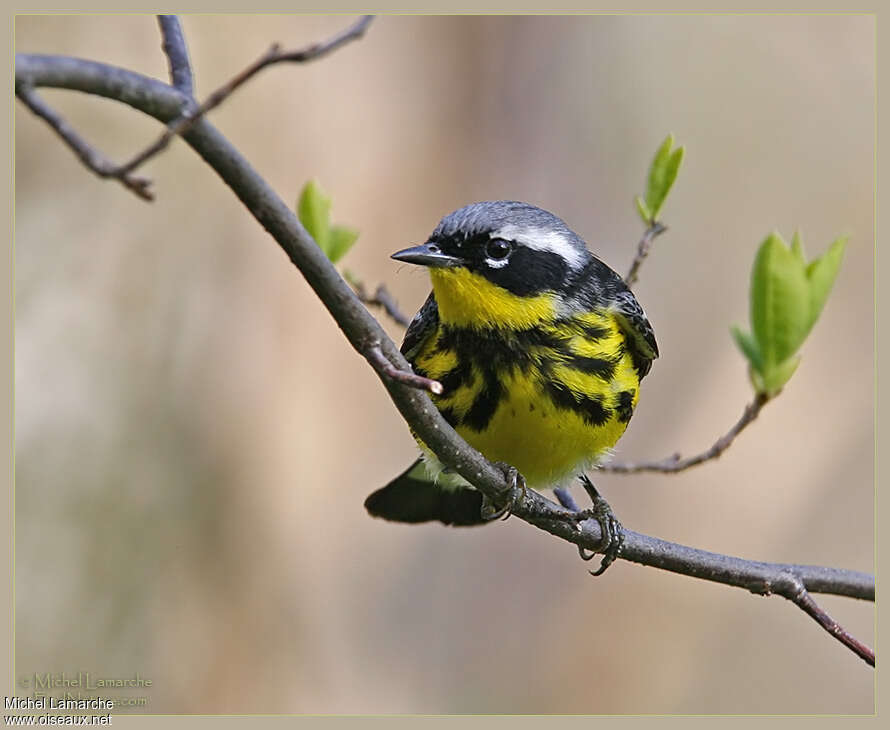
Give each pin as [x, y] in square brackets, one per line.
[564, 497]
[576, 515]
[612, 532]
[490, 509]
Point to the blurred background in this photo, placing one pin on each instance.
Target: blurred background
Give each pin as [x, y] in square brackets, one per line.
[195, 437]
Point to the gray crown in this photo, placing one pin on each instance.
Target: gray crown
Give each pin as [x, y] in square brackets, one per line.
[493, 215]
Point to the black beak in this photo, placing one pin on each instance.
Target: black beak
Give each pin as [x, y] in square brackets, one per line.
[427, 254]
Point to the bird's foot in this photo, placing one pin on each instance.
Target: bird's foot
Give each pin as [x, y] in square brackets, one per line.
[512, 496]
[610, 527]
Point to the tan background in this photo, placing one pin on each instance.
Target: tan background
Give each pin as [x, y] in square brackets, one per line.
[195, 437]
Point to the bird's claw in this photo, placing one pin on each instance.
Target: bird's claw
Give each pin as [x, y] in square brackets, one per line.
[490, 509]
[610, 527]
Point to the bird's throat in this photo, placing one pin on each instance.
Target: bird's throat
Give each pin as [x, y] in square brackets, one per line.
[466, 299]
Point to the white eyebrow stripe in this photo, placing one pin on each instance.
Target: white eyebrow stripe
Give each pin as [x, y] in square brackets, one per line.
[542, 239]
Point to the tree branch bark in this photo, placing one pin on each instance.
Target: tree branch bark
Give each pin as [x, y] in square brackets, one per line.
[190, 116]
[643, 247]
[675, 462]
[173, 43]
[89, 156]
[381, 298]
[362, 330]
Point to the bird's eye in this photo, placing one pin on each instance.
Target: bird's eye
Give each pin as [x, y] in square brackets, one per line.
[498, 249]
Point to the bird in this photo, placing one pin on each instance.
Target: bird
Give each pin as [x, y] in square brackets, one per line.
[539, 347]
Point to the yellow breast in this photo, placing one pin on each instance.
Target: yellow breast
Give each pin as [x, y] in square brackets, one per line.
[548, 395]
[548, 444]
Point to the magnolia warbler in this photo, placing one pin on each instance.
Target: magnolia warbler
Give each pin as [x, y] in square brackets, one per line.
[539, 346]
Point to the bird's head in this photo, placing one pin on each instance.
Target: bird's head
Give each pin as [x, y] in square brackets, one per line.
[499, 264]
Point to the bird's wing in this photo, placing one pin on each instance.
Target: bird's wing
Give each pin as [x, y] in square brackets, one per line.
[421, 328]
[633, 322]
[600, 286]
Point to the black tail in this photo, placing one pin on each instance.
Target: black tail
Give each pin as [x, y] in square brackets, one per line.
[412, 497]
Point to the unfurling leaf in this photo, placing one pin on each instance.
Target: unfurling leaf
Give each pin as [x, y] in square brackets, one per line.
[787, 296]
[779, 301]
[314, 212]
[340, 241]
[776, 377]
[821, 274]
[662, 174]
[748, 345]
[643, 210]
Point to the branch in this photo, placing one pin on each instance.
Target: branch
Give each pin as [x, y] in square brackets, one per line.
[381, 298]
[360, 328]
[675, 463]
[375, 356]
[654, 230]
[787, 581]
[797, 593]
[180, 71]
[272, 56]
[177, 54]
[90, 156]
[763, 579]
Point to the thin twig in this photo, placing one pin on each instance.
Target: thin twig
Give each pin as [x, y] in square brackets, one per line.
[274, 55]
[360, 328]
[376, 357]
[786, 583]
[675, 462]
[318, 50]
[174, 47]
[90, 156]
[383, 299]
[177, 54]
[654, 230]
[797, 593]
